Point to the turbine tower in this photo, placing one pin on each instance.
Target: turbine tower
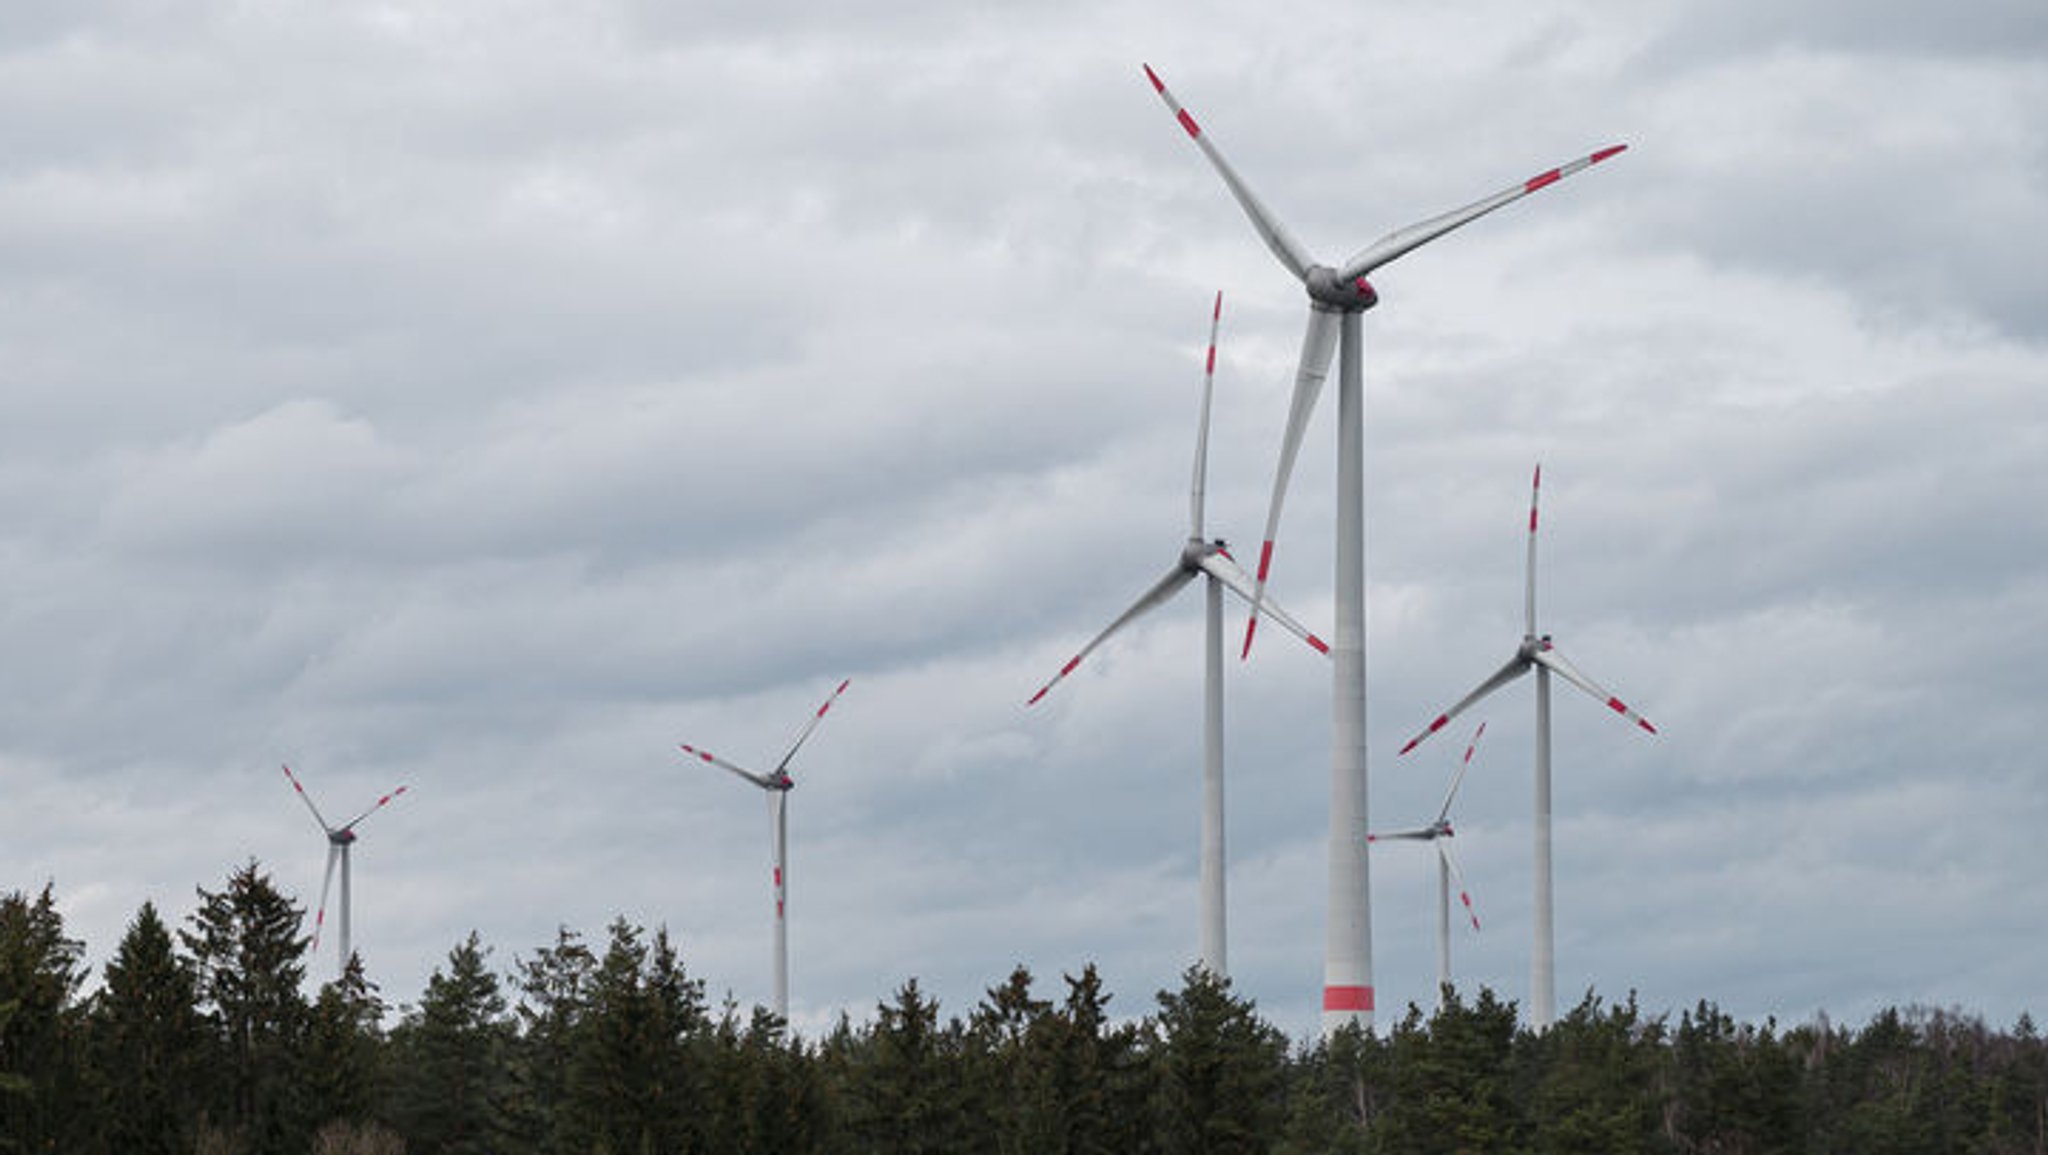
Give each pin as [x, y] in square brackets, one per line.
[1440, 833]
[339, 840]
[1537, 652]
[778, 784]
[1338, 297]
[1210, 559]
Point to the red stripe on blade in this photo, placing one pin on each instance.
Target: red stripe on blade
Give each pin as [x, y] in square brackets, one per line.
[1347, 998]
[1188, 122]
[1321, 646]
[1152, 76]
[1604, 153]
[1537, 182]
[1265, 559]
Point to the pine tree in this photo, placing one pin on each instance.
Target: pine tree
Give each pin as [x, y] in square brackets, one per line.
[1218, 1067]
[1451, 1085]
[455, 1048]
[631, 1083]
[40, 1037]
[554, 992]
[344, 1050]
[147, 1035]
[246, 954]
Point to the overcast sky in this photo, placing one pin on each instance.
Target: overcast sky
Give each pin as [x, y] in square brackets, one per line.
[487, 397]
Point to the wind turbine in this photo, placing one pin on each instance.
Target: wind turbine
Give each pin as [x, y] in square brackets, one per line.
[1537, 652]
[1211, 559]
[1440, 833]
[778, 784]
[339, 839]
[1338, 296]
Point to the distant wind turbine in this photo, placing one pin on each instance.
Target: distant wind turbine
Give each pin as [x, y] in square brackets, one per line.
[1537, 652]
[1337, 298]
[1440, 833]
[778, 784]
[1200, 557]
[339, 840]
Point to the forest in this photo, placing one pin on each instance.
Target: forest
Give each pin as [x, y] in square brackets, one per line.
[200, 1038]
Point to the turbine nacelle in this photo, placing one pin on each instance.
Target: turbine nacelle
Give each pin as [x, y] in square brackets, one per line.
[341, 837]
[1329, 290]
[1198, 551]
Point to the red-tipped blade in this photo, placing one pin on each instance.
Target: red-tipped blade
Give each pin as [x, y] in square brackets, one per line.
[307, 799]
[1405, 240]
[1282, 243]
[380, 804]
[1318, 347]
[1557, 664]
[1152, 598]
[811, 725]
[1515, 668]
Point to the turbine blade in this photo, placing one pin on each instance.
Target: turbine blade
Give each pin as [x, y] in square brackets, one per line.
[1225, 569]
[1414, 236]
[1443, 847]
[1410, 835]
[1529, 585]
[1275, 234]
[1459, 777]
[380, 804]
[320, 919]
[307, 799]
[1557, 664]
[760, 780]
[817, 716]
[1196, 491]
[1515, 668]
[1160, 592]
[1318, 346]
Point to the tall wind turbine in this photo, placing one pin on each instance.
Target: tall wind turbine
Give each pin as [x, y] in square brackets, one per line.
[339, 840]
[1338, 296]
[1537, 652]
[778, 784]
[1440, 833]
[1210, 559]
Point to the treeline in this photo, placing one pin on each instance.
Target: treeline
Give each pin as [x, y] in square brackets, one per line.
[199, 1038]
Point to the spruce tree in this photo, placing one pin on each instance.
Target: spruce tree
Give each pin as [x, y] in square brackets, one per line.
[246, 953]
[147, 1034]
[455, 1046]
[46, 1108]
[1218, 1068]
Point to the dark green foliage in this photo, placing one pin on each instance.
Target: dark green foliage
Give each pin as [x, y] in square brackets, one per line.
[146, 1044]
[213, 1049]
[245, 950]
[1220, 1071]
[344, 1050]
[1451, 1085]
[904, 1085]
[453, 1052]
[43, 1100]
[633, 1087]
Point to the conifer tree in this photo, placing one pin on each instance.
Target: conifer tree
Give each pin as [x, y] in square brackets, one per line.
[1218, 1068]
[455, 1046]
[39, 1060]
[147, 1034]
[246, 953]
[554, 991]
[631, 1082]
[344, 1050]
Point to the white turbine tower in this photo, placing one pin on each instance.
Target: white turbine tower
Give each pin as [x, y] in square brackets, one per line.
[1537, 653]
[1440, 834]
[339, 840]
[778, 784]
[1338, 297]
[1210, 559]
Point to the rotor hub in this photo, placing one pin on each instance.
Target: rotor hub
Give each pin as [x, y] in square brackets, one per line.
[1328, 292]
[1197, 551]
